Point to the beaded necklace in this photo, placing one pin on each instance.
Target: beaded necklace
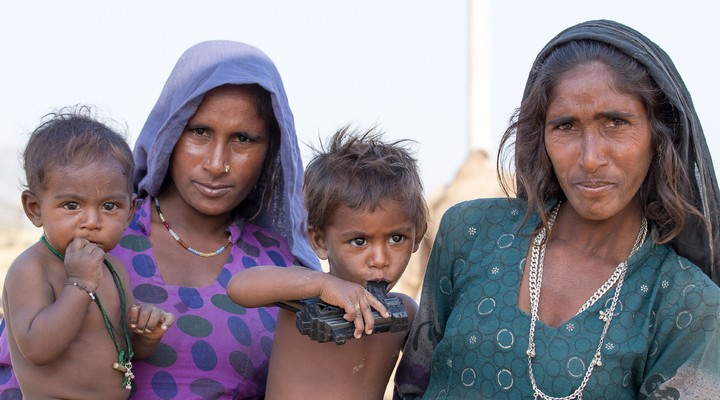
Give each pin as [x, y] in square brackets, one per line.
[183, 244]
[535, 283]
[124, 363]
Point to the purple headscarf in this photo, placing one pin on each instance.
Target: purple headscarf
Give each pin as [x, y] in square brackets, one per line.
[201, 68]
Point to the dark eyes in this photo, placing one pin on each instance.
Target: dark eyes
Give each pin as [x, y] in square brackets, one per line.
[397, 239]
[72, 206]
[109, 206]
[565, 127]
[240, 137]
[394, 239]
[243, 138]
[618, 122]
[614, 123]
[358, 242]
[199, 131]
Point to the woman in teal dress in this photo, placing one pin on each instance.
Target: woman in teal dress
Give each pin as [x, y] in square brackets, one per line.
[599, 279]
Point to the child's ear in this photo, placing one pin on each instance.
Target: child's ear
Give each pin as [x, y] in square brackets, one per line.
[317, 241]
[133, 200]
[31, 206]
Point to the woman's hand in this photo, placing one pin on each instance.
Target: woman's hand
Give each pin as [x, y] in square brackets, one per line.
[83, 263]
[357, 302]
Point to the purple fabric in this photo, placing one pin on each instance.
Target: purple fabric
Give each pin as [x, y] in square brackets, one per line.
[9, 388]
[216, 349]
[201, 68]
[221, 348]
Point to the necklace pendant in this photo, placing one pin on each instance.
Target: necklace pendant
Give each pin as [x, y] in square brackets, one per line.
[605, 315]
[126, 369]
[129, 376]
[119, 367]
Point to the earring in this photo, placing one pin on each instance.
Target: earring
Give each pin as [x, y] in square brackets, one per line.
[227, 168]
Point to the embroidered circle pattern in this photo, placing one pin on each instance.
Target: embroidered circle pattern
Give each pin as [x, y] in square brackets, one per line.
[216, 347]
[485, 338]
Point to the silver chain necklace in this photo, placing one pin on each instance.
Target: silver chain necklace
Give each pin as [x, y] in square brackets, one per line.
[535, 277]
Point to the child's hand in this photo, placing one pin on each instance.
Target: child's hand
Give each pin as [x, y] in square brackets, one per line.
[355, 300]
[83, 263]
[149, 321]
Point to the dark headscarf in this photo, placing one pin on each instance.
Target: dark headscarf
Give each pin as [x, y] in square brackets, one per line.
[201, 68]
[699, 239]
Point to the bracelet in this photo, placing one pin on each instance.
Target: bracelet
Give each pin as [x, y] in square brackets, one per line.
[91, 294]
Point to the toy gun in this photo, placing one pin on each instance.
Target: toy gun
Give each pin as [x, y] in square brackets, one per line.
[324, 322]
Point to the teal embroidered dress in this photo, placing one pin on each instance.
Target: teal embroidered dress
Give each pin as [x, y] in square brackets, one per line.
[469, 339]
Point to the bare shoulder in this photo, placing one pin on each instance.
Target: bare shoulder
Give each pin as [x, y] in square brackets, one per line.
[411, 306]
[31, 283]
[30, 265]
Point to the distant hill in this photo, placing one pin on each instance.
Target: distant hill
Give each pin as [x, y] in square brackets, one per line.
[13, 217]
[10, 174]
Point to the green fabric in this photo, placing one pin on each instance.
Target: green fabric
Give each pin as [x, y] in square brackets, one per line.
[663, 341]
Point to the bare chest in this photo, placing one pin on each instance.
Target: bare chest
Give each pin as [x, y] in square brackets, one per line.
[564, 285]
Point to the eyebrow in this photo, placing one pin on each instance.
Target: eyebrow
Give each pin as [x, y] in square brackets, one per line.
[109, 196]
[397, 230]
[602, 115]
[616, 114]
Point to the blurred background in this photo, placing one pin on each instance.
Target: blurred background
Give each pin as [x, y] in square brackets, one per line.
[445, 73]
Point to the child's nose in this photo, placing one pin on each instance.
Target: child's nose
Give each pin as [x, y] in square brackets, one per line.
[379, 257]
[91, 219]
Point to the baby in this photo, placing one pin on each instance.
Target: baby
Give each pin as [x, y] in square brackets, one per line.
[72, 331]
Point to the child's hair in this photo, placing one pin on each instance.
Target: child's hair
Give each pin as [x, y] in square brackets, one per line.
[73, 136]
[359, 170]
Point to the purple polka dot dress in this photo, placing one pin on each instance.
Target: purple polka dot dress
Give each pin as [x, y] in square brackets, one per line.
[216, 349]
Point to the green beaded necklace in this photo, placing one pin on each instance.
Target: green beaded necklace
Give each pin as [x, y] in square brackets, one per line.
[124, 363]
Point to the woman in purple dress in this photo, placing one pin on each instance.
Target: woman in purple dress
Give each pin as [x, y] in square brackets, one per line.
[218, 175]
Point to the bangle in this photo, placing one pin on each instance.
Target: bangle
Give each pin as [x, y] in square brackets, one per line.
[91, 294]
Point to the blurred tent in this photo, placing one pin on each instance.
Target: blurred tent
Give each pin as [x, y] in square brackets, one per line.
[476, 178]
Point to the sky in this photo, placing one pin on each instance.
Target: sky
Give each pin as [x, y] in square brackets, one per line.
[399, 64]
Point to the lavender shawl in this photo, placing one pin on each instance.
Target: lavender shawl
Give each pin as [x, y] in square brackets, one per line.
[201, 68]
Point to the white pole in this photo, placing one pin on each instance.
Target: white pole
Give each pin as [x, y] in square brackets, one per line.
[479, 76]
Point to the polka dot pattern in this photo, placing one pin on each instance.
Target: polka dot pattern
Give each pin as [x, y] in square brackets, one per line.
[216, 349]
[668, 310]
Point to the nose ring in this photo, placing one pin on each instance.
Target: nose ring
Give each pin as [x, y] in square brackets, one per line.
[227, 168]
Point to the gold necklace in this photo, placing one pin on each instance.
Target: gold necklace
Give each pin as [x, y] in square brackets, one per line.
[535, 278]
[183, 244]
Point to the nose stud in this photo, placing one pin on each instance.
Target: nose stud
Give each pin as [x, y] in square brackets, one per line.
[227, 168]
